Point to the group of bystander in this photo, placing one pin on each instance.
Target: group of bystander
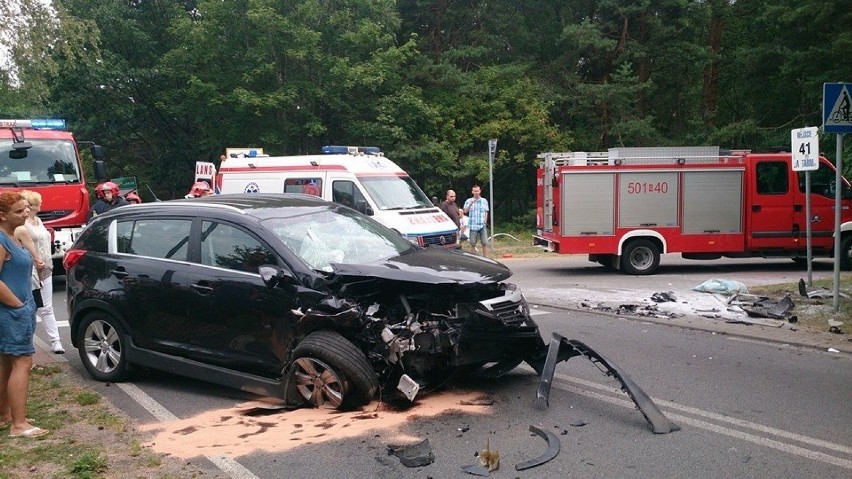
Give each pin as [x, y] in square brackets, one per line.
[470, 219]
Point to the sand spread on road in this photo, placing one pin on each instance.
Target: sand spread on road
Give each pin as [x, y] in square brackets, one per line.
[247, 428]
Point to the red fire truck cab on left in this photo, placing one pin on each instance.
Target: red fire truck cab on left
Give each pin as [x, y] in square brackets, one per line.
[42, 156]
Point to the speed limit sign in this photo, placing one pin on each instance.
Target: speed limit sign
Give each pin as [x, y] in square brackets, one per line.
[805, 144]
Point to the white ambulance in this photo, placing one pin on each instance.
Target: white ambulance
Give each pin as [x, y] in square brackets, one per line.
[358, 177]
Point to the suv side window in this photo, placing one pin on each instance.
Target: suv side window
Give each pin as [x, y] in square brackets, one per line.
[229, 247]
[166, 238]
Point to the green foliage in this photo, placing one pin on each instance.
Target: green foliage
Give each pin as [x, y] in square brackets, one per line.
[164, 84]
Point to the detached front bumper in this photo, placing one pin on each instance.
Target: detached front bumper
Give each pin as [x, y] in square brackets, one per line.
[561, 349]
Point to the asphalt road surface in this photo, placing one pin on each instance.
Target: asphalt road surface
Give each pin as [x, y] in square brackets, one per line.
[747, 408]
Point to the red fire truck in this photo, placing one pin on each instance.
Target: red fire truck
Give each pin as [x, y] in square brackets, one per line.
[626, 206]
[40, 155]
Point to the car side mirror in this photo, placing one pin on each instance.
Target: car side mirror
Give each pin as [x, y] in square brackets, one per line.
[364, 208]
[273, 276]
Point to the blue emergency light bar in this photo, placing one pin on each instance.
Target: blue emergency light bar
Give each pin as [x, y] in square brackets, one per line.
[45, 124]
[49, 124]
[343, 150]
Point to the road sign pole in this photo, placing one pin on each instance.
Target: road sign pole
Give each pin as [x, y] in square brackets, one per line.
[837, 119]
[808, 226]
[838, 190]
[492, 150]
[805, 149]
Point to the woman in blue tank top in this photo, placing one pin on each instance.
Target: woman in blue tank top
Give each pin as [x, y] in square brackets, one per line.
[17, 319]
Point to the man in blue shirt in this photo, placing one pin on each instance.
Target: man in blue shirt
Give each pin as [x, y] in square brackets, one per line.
[476, 208]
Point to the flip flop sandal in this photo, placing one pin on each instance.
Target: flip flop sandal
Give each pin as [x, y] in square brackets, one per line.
[31, 432]
[5, 424]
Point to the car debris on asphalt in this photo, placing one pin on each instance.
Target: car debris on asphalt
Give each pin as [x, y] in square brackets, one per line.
[413, 455]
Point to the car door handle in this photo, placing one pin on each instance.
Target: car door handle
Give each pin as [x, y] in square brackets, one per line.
[202, 287]
[798, 207]
[755, 208]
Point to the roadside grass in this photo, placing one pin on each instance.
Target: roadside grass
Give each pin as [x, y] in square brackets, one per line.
[87, 439]
[513, 243]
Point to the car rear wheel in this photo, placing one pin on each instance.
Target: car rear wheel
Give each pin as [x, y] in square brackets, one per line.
[331, 372]
[640, 257]
[102, 347]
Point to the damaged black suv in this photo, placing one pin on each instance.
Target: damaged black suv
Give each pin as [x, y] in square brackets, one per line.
[288, 296]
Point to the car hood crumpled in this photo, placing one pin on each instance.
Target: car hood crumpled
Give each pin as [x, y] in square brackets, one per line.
[430, 266]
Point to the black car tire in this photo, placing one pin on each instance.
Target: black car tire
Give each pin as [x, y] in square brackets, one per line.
[329, 371]
[640, 257]
[846, 253]
[102, 341]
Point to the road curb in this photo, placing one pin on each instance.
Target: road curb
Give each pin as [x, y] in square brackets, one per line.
[44, 356]
[782, 336]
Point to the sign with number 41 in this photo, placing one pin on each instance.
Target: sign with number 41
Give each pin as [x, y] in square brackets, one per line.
[805, 144]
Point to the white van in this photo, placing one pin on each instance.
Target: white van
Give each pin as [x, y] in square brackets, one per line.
[358, 177]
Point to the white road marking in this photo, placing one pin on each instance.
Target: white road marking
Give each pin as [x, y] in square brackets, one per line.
[227, 465]
[563, 381]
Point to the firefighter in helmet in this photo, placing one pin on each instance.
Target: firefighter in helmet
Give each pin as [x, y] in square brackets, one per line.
[133, 198]
[108, 198]
[200, 189]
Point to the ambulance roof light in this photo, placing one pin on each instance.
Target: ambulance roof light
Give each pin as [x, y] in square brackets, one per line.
[351, 150]
[41, 124]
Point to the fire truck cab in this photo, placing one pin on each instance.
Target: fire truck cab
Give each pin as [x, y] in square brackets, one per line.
[361, 178]
[627, 206]
[42, 156]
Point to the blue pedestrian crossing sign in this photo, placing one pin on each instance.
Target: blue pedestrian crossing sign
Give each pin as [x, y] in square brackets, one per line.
[837, 107]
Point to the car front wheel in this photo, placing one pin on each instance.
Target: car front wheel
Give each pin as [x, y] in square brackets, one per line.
[330, 372]
[102, 347]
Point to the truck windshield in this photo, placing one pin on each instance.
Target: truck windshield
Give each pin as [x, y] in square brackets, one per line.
[395, 192]
[823, 182]
[48, 161]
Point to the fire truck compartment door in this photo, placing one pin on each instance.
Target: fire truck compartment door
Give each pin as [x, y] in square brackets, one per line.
[587, 204]
[647, 199]
[712, 202]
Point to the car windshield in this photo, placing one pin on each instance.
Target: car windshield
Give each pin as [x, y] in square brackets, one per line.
[48, 161]
[395, 192]
[324, 237]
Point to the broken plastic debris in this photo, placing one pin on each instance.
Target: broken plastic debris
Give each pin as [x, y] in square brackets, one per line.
[834, 326]
[414, 455]
[832, 350]
[553, 446]
[667, 297]
[476, 470]
[408, 386]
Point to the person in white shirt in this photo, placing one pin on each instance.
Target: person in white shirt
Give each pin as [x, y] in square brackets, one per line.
[35, 232]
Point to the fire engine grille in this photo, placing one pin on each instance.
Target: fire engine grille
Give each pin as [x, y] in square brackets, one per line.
[53, 214]
[447, 239]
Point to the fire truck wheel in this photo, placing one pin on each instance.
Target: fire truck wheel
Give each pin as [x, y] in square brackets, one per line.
[846, 253]
[640, 257]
